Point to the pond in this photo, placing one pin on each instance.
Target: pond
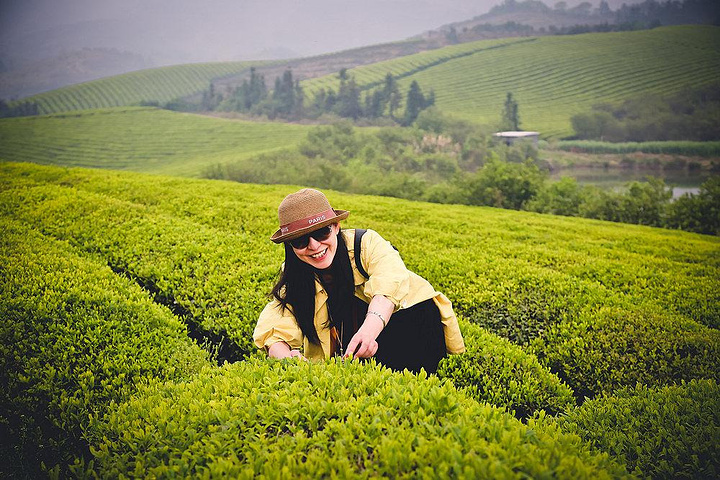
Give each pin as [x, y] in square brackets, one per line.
[682, 181]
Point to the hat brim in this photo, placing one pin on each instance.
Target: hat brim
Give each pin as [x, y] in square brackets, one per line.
[277, 237]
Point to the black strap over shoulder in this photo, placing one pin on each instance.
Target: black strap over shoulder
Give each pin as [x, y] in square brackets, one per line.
[359, 232]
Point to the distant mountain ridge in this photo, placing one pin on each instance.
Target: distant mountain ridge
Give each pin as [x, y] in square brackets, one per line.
[533, 17]
[509, 19]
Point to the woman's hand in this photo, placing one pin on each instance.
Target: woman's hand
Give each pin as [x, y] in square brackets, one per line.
[363, 344]
[282, 350]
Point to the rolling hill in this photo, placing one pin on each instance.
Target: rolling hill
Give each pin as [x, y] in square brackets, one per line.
[140, 139]
[552, 77]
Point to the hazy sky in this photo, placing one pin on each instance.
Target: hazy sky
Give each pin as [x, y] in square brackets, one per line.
[178, 31]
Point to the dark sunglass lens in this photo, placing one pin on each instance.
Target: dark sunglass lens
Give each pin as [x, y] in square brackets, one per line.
[300, 242]
[319, 235]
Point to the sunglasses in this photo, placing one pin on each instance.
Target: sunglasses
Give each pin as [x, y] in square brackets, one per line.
[319, 235]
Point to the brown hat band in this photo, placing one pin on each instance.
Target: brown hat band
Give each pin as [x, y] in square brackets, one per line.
[307, 222]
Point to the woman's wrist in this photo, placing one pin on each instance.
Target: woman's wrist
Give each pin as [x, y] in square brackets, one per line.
[378, 315]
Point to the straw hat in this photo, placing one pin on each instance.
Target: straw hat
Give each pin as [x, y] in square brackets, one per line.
[303, 212]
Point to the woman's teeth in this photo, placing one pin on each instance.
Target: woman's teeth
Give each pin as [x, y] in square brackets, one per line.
[319, 254]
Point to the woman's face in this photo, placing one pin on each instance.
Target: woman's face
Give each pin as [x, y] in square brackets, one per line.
[320, 254]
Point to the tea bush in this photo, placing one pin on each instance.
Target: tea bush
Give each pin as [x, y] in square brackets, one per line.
[584, 307]
[292, 419]
[75, 337]
[586, 297]
[496, 371]
[671, 432]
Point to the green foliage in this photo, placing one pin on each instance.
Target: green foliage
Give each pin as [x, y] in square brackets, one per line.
[546, 283]
[75, 337]
[510, 118]
[698, 213]
[610, 336]
[252, 96]
[140, 139]
[644, 203]
[691, 114]
[496, 371]
[504, 184]
[333, 419]
[700, 149]
[671, 432]
[563, 197]
[158, 84]
[576, 72]
[585, 307]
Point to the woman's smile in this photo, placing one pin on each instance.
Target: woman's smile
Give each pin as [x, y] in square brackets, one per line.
[320, 253]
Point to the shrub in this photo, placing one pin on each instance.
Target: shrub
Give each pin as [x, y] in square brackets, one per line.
[494, 370]
[505, 185]
[328, 420]
[672, 432]
[698, 213]
[75, 337]
[610, 348]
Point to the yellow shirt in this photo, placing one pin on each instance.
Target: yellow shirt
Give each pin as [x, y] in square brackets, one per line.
[388, 277]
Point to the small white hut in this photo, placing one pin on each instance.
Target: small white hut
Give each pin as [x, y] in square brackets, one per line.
[510, 138]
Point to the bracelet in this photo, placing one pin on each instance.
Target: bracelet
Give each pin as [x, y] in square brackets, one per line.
[379, 316]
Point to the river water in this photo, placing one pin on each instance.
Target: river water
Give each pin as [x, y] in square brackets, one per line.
[682, 181]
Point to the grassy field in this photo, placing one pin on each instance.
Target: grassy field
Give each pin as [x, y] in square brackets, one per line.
[555, 77]
[139, 139]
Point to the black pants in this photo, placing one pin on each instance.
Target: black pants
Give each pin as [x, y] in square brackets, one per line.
[413, 338]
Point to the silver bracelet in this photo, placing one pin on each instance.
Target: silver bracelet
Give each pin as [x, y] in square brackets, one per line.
[379, 316]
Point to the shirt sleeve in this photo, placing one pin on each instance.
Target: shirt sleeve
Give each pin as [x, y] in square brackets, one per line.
[277, 325]
[387, 271]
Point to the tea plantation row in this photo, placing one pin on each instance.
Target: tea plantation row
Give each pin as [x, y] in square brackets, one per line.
[140, 139]
[602, 306]
[86, 360]
[554, 77]
[157, 84]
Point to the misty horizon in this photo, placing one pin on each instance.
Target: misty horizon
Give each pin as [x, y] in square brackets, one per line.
[172, 32]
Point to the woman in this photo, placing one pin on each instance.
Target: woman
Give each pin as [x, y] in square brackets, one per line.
[331, 303]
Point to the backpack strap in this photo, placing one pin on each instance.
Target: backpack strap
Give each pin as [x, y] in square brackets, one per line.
[359, 232]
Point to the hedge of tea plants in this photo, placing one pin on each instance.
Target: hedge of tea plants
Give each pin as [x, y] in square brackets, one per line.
[140, 139]
[672, 432]
[334, 420]
[603, 306]
[75, 337]
[553, 310]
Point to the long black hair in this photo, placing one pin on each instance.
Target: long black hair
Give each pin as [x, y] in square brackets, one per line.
[295, 289]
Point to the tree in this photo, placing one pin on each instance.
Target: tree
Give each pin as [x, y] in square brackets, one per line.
[604, 8]
[392, 95]
[698, 213]
[510, 116]
[414, 104]
[505, 185]
[348, 99]
[284, 94]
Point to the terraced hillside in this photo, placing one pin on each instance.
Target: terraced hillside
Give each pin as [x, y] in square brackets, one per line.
[139, 139]
[551, 77]
[554, 77]
[158, 84]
